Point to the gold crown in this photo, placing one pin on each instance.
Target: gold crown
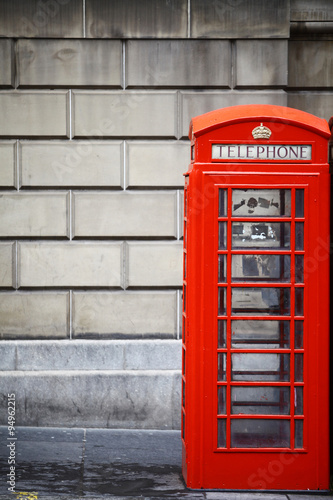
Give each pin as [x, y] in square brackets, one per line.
[261, 132]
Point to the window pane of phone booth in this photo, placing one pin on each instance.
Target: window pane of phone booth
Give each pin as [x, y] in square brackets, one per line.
[299, 236]
[252, 334]
[260, 367]
[260, 267]
[299, 204]
[260, 400]
[298, 367]
[299, 301]
[261, 301]
[266, 235]
[298, 433]
[221, 301]
[298, 398]
[223, 202]
[222, 269]
[299, 268]
[221, 400]
[221, 367]
[260, 433]
[222, 235]
[261, 202]
[298, 334]
[221, 433]
[222, 337]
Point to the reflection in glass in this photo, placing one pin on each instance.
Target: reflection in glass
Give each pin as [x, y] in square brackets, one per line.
[298, 433]
[267, 235]
[299, 235]
[221, 366]
[299, 203]
[299, 268]
[260, 367]
[221, 433]
[298, 334]
[252, 334]
[183, 393]
[184, 363]
[260, 433]
[298, 400]
[298, 367]
[261, 202]
[260, 400]
[260, 267]
[223, 202]
[263, 301]
[221, 301]
[298, 301]
[222, 235]
[222, 338]
[222, 269]
[221, 400]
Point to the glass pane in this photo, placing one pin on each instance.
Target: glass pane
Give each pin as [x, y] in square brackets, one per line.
[260, 267]
[223, 202]
[298, 301]
[221, 433]
[299, 236]
[184, 362]
[299, 205]
[298, 433]
[298, 400]
[260, 433]
[221, 367]
[183, 425]
[260, 400]
[298, 367]
[268, 235]
[260, 334]
[184, 298]
[261, 301]
[222, 339]
[221, 400]
[222, 277]
[298, 334]
[260, 367]
[261, 202]
[299, 268]
[185, 266]
[222, 235]
[222, 301]
[183, 393]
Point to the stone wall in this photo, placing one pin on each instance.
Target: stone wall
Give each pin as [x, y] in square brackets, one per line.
[96, 98]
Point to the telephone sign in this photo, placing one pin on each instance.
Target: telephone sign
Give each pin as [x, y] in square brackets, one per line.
[255, 407]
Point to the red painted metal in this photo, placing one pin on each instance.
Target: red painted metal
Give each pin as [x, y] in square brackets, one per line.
[229, 441]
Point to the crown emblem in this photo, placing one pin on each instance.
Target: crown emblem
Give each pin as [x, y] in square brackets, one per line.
[261, 132]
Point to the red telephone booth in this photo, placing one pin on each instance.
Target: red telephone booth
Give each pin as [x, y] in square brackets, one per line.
[255, 404]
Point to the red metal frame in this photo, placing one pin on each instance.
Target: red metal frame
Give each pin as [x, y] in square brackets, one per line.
[205, 465]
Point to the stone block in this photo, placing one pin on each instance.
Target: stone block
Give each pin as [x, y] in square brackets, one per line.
[125, 214]
[124, 314]
[49, 19]
[34, 315]
[133, 19]
[34, 214]
[71, 163]
[31, 114]
[153, 355]
[8, 355]
[7, 164]
[7, 278]
[104, 399]
[240, 19]
[316, 103]
[308, 10]
[70, 264]
[125, 114]
[310, 64]
[170, 63]
[69, 63]
[261, 63]
[195, 103]
[154, 264]
[7, 63]
[157, 164]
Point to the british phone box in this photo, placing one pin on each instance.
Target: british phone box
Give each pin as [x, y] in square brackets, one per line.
[255, 403]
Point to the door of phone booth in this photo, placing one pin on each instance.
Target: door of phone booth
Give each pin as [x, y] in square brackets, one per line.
[255, 375]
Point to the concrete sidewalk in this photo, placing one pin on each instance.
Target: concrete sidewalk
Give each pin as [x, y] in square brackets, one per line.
[87, 464]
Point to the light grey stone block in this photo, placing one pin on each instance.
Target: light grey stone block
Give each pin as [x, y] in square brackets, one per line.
[31, 114]
[197, 103]
[53, 18]
[7, 278]
[7, 63]
[70, 264]
[154, 264]
[105, 399]
[33, 214]
[240, 19]
[162, 63]
[34, 315]
[7, 355]
[309, 10]
[310, 64]
[71, 163]
[7, 164]
[125, 214]
[133, 19]
[125, 114]
[130, 314]
[316, 103]
[157, 164]
[261, 63]
[152, 354]
[69, 63]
